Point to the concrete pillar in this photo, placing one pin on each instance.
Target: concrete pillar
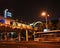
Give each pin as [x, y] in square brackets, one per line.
[26, 35]
[19, 37]
[5, 36]
[34, 35]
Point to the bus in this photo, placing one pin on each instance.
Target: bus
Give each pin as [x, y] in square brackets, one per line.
[50, 36]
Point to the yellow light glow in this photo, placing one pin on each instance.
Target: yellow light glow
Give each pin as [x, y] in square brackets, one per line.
[43, 13]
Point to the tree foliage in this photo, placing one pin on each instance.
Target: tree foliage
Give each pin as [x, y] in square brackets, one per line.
[58, 25]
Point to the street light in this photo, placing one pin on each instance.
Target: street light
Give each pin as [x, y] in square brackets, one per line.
[44, 14]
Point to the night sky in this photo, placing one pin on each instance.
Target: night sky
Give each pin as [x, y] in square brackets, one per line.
[29, 11]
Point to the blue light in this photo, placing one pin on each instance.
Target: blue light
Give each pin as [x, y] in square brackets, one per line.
[2, 21]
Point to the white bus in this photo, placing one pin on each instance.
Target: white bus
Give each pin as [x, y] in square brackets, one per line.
[52, 36]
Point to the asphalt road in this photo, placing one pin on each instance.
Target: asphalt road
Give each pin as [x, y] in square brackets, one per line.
[30, 44]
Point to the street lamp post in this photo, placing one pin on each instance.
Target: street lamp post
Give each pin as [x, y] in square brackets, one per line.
[45, 15]
[46, 22]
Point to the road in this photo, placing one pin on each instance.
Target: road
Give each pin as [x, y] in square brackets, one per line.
[30, 44]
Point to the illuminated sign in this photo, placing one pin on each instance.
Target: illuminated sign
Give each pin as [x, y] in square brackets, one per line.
[7, 13]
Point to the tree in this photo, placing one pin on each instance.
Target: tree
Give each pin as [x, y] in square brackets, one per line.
[41, 27]
[58, 25]
[50, 25]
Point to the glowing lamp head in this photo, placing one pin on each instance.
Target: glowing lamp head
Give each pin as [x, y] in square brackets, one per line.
[43, 13]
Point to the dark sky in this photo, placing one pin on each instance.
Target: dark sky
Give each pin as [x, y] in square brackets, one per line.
[29, 10]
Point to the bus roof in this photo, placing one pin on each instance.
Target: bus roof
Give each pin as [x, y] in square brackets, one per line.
[52, 31]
